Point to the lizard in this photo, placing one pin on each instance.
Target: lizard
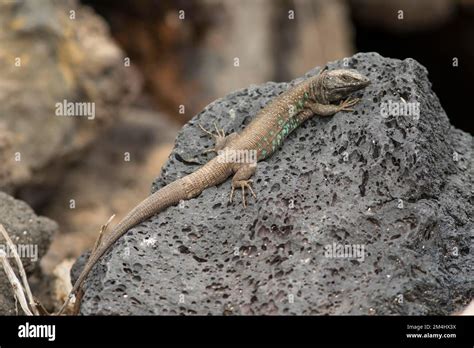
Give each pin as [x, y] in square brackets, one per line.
[323, 94]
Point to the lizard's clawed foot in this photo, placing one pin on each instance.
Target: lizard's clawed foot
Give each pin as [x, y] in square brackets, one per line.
[219, 138]
[242, 184]
[220, 133]
[346, 105]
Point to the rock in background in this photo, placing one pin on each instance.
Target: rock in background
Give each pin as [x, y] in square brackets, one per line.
[54, 51]
[26, 229]
[400, 186]
[10, 173]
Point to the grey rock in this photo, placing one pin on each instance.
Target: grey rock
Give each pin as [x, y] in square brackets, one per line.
[397, 185]
[79, 265]
[30, 232]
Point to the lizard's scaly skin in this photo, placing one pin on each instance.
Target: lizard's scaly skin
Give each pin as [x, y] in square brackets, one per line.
[263, 135]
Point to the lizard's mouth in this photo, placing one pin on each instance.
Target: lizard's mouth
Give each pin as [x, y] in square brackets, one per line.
[342, 92]
[345, 90]
[354, 86]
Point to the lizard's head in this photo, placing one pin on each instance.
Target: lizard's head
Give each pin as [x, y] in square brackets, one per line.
[338, 84]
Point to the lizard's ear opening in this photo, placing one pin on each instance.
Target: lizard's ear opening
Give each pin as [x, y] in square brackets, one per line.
[323, 70]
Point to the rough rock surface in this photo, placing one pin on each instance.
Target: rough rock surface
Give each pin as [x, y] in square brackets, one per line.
[54, 51]
[25, 229]
[398, 185]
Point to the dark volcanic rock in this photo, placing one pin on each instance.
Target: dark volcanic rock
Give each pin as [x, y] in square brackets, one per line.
[399, 186]
[30, 233]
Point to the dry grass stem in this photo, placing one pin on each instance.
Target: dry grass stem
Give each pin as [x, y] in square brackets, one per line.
[21, 269]
[16, 285]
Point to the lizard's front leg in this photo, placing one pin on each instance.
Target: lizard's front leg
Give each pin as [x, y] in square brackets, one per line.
[220, 139]
[241, 179]
[331, 109]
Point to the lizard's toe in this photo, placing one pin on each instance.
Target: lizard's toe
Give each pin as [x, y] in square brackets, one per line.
[242, 184]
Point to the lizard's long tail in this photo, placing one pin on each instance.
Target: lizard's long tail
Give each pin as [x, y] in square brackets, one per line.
[167, 196]
[211, 174]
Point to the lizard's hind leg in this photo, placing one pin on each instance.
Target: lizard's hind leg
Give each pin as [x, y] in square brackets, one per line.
[241, 180]
[221, 140]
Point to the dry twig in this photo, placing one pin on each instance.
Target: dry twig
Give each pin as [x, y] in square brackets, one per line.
[21, 269]
[16, 285]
